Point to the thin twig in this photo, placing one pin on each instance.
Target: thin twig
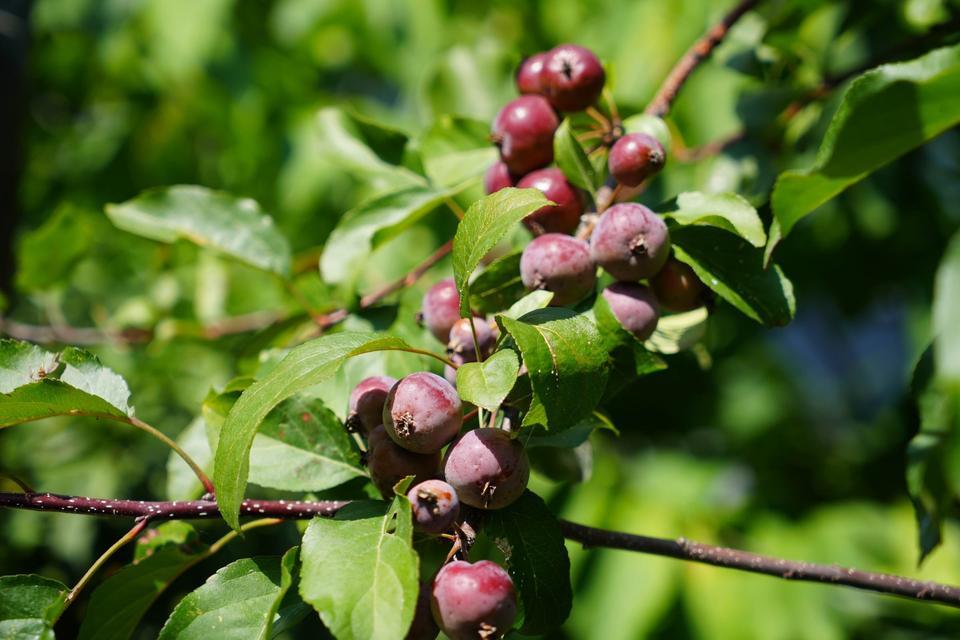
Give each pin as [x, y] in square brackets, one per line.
[127, 538]
[24, 486]
[162, 437]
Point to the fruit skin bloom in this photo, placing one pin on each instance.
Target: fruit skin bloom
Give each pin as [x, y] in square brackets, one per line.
[422, 413]
[390, 463]
[440, 308]
[562, 218]
[678, 288]
[487, 468]
[530, 74]
[365, 408]
[523, 131]
[561, 264]
[634, 306]
[635, 157]
[572, 78]
[498, 177]
[630, 242]
[472, 601]
[435, 506]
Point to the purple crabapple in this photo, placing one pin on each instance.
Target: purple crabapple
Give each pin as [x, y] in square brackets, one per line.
[630, 242]
[487, 468]
[422, 413]
[530, 74]
[635, 157]
[562, 218]
[634, 306]
[523, 131]
[471, 601]
[460, 346]
[377, 435]
[677, 287]
[365, 410]
[435, 506]
[390, 463]
[561, 264]
[572, 78]
[498, 177]
[440, 308]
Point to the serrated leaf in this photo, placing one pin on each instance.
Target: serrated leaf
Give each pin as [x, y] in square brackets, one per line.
[734, 270]
[498, 286]
[679, 331]
[360, 571]
[304, 366]
[485, 223]
[486, 384]
[572, 159]
[650, 125]
[120, 602]
[883, 114]
[727, 211]
[457, 149]
[566, 361]
[29, 606]
[534, 300]
[530, 538]
[238, 601]
[629, 358]
[225, 223]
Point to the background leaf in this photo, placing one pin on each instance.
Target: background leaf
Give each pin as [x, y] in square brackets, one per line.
[457, 149]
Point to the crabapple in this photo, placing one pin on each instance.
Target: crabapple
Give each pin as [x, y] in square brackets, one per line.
[390, 463]
[572, 78]
[630, 242]
[377, 435]
[635, 157]
[440, 308]
[498, 177]
[461, 348]
[562, 218]
[435, 506]
[523, 131]
[487, 468]
[561, 264]
[634, 306]
[365, 409]
[422, 413]
[475, 600]
[530, 74]
[677, 287]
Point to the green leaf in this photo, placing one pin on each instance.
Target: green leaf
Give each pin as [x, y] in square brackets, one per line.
[225, 223]
[39, 268]
[372, 223]
[36, 384]
[572, 159]
[531, 302]
[650, 125]
[300, 446]
[485, 223]
[569, 438]
[182, 482]
[679, 331]
[723, 210]
[120, 602]
[530, 538]
[360, 570]
[734, 270]
[629, 358]
[29, 606]
[304, 366]
[946, 316]
[457, 149]
[883, 114]
[238, 601]
[566, 362]
[498, 286]
[486, 384]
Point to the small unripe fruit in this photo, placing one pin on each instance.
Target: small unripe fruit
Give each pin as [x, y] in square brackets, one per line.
[530, 74]
[487, 468]
[422, 413]
[572, 78]
[423, 626]
[389, 464]
[435, 506]
[561, 264]
[440, 308]
[461, 347]
[562, 218]
[523, 131]
[630, 242]
[635, 157]
[677, 287]
[473, 601]
[634, 306]
[498, 177]
[365, 410]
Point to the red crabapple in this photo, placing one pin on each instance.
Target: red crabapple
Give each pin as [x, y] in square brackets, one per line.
[572, 78]
[365, 409]
[523, 131]
[562, 218]
[635, 157]
[435, 506]
[377, 435]
[440, 308]
[634, 306]
[561, 264]
[471, 601]
[488, 469]
[422, 413]
[390, 463]
[530, 74]
[460, 346]
[630, 242]
[498, 177]
[677, 287]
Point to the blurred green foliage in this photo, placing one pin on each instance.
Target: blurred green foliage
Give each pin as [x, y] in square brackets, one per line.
[788, 441]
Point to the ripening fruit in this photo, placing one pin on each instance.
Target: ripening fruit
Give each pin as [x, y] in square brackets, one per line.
[523, 130]
[635, 157]
[422, 413]
[634, 306]
[389, 464]
[365, 409]
[440, 308]
[530, 74]
[572, 78]
[487, 468]
[498, 177]
[565, 216]
[472, 601]
[561, 264]
[460, 346]
[435, 506]
[423, 626]
[377, 435]
[677, 287]
[630, 242]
